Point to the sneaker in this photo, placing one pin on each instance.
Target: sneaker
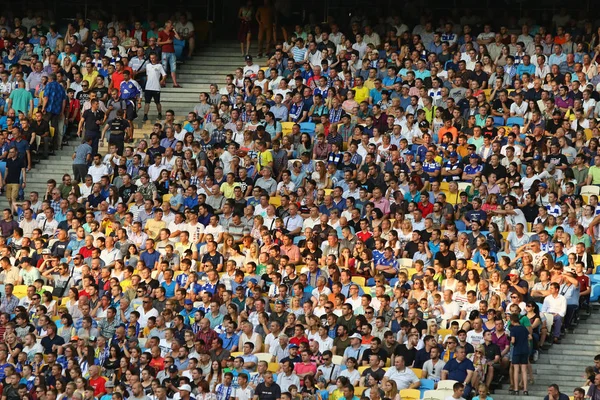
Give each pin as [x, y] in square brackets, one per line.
[536, 356]
[145, 117]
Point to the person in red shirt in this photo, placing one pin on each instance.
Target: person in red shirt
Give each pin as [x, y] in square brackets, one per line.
[96, 381]
[157, 362]
[117, 76]
[424, 205]
[166, 38]
[298, 336]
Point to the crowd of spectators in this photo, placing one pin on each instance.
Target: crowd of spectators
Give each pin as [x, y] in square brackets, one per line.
[369, 209]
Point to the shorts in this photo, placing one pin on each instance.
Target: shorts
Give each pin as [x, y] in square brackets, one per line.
[520, 359]
[169, 60]
[130, 111]
[150, 95]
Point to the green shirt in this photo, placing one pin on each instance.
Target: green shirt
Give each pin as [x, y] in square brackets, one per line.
[20, 100]
[594, 172]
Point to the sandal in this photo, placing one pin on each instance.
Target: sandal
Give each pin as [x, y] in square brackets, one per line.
[525, 393]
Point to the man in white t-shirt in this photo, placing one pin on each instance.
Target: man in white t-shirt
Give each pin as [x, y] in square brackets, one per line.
[185, 29]
[155, 78]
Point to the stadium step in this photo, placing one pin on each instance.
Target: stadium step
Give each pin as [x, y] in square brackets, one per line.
[563, 364]
[210, 65]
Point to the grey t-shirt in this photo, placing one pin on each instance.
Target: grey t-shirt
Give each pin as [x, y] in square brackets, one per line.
[81, 153]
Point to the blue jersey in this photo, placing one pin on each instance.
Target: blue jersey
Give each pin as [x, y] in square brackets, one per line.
[129, 90]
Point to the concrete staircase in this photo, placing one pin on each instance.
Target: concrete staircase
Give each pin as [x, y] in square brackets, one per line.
[210, 65]
[563, 364]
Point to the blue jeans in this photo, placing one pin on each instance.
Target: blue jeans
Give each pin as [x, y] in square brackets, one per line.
[169, 60]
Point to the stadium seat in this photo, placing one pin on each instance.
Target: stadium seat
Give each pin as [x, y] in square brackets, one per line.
[515, 121]
[436, 394]
[590, 189]
[418, 372]
[405, 262]
[446, 384]
[337, 360]
[359, 390]
[588, 134]
[264, 356]
[426, 384]
[286, 127]
[444, 186]
[308, 127]
[275, 200]
[498, 121]
[273, 366]
[167, 197]
[359, 280]
[462, 186]
[362, 369]
[237, 354]
[596, 258]
[595, 293]
[410, 394]
[20, 291]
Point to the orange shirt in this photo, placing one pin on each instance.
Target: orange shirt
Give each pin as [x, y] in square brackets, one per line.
[452, 130]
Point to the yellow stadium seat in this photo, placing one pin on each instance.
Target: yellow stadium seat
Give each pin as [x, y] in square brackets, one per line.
[596, 258]
[444, 332]
[588, 133]
[505, 234]
[237, 354]
[328, 192]
[20, 291]
[166, 197]
[286, 127]
[487, 93]
[276, 201]
[469, 264]
[273, 367]
[362, 369]
[359, 280]
[418, 372]
[444, 186]
[410, 394]
[359, 390]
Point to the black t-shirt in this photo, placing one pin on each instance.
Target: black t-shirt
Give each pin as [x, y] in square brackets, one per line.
[91, 119]
[408, 354]
[445, 259]
[101, 92]
[153, 151]
[425, 236]
[245, 183]
[411, 248]
[83, 96]
[127, 191]
[272, 392]
[383, 355]
[14, 167]
[497, 105]
[557, 159]
[500, 171]
[378, 375]
[40, 128]
[118, 127]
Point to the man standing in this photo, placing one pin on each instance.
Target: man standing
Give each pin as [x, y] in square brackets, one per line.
[91, 120]
[155, 78]
[165, 40]
[14, 172]
[53, 106]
